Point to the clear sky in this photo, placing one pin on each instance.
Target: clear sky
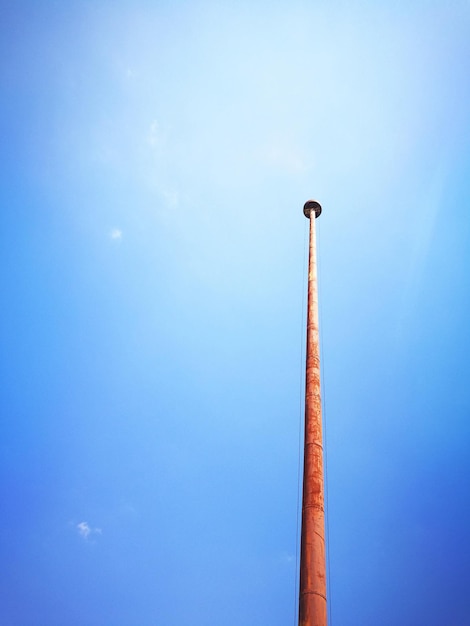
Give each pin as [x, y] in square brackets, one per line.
[155, 158]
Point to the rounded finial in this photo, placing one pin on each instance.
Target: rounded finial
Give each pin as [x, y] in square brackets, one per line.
[312, 205]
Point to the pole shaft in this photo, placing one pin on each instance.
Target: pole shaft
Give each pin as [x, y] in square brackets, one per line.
[312, 596]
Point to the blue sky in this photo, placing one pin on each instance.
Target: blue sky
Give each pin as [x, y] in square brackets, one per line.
[155, 158]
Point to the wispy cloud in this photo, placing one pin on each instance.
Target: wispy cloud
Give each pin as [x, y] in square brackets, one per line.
[171, 198]
[287, 158]
[153, 136]
[85, 530]
[116, 234]
[286, 558]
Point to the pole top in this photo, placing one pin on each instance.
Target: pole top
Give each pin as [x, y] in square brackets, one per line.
[312, 205]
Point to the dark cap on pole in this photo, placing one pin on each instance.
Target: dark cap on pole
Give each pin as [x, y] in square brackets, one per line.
[312, 205]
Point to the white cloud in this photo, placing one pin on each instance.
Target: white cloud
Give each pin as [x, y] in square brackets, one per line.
[85, 530]
[116, 234]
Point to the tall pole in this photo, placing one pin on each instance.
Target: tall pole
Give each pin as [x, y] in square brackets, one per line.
[312, 592]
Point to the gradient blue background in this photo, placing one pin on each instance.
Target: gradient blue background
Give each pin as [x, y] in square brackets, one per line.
[155, 158]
